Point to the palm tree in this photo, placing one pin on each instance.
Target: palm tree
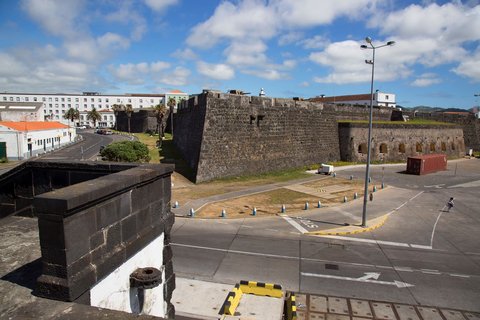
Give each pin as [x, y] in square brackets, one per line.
[94, 115]
[72, 114]
[129, 111]
[116, 110]
[160, 113]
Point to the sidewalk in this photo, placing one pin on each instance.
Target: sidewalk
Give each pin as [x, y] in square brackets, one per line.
[202, 300]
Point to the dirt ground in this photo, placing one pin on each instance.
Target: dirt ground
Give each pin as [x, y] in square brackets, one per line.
[330, 191]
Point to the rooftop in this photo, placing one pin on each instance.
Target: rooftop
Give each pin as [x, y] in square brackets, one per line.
[33, 125]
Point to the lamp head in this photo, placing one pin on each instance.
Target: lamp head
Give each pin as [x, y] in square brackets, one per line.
[390, 43]
[368, 40]
[363, 46]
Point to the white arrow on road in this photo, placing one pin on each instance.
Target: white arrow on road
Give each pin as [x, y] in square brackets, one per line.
[366, 278]
[437, 186]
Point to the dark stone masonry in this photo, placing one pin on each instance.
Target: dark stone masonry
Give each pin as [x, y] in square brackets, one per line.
[92, 217]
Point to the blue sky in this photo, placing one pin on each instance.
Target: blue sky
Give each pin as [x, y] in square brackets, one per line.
[290, 48]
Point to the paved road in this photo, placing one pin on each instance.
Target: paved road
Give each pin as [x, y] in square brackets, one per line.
[421, 255]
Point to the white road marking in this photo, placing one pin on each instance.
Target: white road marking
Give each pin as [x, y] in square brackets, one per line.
[431, 272]
[467, 185]
[294, 223]
[398, 284]
[401, 269]
[459, 275]
[248, 227]
[370, 275]
[387, 243]
[435, 225]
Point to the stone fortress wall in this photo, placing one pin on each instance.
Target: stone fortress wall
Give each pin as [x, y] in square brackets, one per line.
[224, 135]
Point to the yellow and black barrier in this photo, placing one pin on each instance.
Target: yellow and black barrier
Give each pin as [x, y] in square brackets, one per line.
[261, 289]
[232, 301]
[249, 287]
[291, 307]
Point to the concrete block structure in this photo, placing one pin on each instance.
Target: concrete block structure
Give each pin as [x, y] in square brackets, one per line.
[98, 223]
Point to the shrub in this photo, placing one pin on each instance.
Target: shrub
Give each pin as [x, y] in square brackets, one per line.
[126, 151]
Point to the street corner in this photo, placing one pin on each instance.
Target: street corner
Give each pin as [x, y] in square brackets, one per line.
[352, 229]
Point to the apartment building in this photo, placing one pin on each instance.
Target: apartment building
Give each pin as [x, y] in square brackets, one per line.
[56, 105]
[380, 99]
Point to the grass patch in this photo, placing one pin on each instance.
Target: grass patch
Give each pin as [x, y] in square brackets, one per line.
[270, 177]
[151, 142]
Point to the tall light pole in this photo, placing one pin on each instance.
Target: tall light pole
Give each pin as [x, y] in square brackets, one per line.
[369, 151]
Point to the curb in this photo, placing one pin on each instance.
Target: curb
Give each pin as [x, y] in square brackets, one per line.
[377, 223]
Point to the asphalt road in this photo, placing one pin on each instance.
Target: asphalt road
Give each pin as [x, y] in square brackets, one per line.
[421, 255]
[87, 149]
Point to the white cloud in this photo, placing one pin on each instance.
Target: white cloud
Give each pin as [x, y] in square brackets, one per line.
[178, 77]
[138, 73]
[426, 80]
[59, 18]
[470, 66]
[269, 74]
[248, 19]
[290, 37]
[185, 54]
[347, 62]
[215, 71]
[316, 42]
[246, 53]
[160, 5]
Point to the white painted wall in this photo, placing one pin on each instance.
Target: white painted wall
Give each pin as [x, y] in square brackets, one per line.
[41, 141]
[113, 292]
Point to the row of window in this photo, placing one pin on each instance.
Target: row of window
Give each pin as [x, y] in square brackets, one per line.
[63, 99]
[362, 148]
[48, 140]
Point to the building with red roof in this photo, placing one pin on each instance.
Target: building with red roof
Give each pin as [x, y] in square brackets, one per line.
[26, 139]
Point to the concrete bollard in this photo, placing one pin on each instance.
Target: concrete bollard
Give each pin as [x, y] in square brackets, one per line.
[351, 177]
[192, 212]
[254, 211]
[224, 213]
[369, 179]
[355, 195]
[319, 204]
[175, 205]
[334, 174]
[371, 196]
[283, 208]
[306, 205]
[345, 199]
[374, 188]
[383, 185]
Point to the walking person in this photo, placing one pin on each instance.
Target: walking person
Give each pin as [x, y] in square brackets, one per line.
[450, 204]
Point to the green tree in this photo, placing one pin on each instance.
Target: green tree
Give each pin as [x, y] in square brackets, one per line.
[126, 151]
[72, 115]
[116, 110]
[160, 114]
[129, 111]
[94, 115]
[172, 102]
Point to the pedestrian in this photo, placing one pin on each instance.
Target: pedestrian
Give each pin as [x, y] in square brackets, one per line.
[450, 204]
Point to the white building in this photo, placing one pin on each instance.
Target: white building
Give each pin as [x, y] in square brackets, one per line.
[55, 105]
[26, 139]
[380, 99]
[21, 111]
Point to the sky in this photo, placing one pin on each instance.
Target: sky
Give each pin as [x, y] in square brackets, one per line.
[291, 48]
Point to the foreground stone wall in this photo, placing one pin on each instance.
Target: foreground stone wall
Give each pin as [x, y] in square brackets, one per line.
[92, 219]
[396, 142]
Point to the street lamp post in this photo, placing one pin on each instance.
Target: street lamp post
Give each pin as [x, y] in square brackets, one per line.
[369, 151]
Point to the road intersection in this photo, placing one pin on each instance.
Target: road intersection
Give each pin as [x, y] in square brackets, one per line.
[419, 254]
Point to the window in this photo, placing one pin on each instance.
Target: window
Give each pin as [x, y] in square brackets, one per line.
[92, 99]
[106, 99]
[419, 147]
[141, 100]
[18, 98]
[401, 148]
[35, 99]
[50, 105]
[383, 148]
[84, 99]
[118, 100]
[69, 99]
[44, 99]
[129, 100]
[85, 106]
[151, 100]
[63, 105]
[63, 99]
[76, 99]
[26, 98]
[11, 98]
[99, 99]
[362, 148]
[4, 98]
